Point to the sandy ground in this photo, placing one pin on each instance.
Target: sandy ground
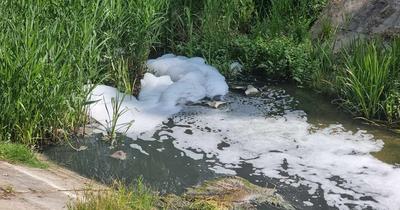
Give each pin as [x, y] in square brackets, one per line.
[23, 187]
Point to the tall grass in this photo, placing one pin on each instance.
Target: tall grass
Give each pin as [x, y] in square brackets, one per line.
[291, 18]
[44, 62]
[366, 78]
[50, 49]
[130, 30]
[369, 83]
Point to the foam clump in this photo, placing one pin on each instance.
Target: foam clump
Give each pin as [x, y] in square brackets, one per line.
[183, 70]
[172, 81]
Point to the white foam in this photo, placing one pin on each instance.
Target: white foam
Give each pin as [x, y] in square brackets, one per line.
[222, 170]
[177, 80]
[334, 159]
[138, 147]
[190, 70]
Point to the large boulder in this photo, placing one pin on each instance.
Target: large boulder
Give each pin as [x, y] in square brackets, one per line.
[358, 18]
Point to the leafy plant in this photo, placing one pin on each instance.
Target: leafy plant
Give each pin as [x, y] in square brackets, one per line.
[282, 58]
[111, 126]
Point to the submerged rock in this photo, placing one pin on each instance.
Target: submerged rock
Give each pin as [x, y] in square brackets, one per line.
[120, 155]
[226, 193]
[251, 91]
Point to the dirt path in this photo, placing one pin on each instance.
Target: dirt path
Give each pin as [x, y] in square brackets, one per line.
[22, 187]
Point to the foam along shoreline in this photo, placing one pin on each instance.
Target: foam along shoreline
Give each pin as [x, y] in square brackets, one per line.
[172, 81]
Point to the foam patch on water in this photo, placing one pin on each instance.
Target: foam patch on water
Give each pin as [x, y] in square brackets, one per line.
[175, 81]
[281, 144]
[138, 147]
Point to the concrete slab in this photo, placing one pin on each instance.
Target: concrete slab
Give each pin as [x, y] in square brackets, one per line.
[23, 187]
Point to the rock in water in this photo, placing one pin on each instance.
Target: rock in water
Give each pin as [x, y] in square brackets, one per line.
[120, 155]
[227, 193]
[251, 91]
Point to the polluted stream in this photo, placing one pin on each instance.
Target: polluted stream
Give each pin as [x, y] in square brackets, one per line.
[286, 138]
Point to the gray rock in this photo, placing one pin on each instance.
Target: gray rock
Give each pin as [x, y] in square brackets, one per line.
[359, 18]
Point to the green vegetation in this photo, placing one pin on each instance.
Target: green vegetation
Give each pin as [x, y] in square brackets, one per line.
[366, 82]
[136, 197]
[51, 50]
[364, 77]
[220, 193]
[18, 153]
[112, 127]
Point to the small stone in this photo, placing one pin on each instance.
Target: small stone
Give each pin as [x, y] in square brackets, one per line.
[120, 155]
[251, 91]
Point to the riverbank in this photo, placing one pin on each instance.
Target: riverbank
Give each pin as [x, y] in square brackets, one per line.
[23, 187]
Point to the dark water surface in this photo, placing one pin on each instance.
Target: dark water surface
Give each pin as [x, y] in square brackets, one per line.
[170, 170]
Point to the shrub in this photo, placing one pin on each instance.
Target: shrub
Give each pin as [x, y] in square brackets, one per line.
[282, 58]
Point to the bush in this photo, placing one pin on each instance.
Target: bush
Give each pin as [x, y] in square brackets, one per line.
[282, 58]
